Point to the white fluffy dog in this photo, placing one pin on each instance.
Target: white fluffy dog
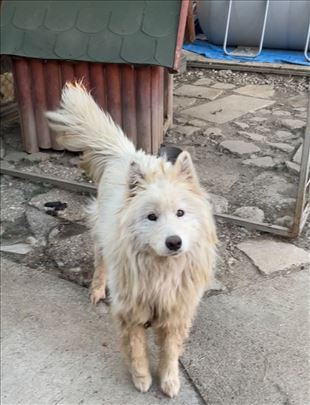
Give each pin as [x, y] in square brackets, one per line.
[154, 235]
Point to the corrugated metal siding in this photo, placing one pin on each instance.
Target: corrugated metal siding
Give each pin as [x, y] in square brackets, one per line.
[133, 95]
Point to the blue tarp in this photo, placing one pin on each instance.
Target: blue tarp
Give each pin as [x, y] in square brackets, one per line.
[267, 55]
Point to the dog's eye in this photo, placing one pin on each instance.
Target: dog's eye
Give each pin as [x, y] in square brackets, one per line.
[152, 217]
[180, 213]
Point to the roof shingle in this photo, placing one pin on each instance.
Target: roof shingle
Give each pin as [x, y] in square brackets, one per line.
[117, 31]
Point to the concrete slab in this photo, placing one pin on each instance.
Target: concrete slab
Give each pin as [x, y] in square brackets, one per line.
[256, 91]
[273, 256]
[297, 155]
[188, 90]
[265, 162]
[182, 102]
[57, 349]
[239, 148]
[252, 347]
[204, 81]
[227, 109]
[223, 86]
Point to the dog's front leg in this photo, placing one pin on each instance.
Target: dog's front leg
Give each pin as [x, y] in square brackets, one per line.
[135, 349]
[98, 284]
[170, 340]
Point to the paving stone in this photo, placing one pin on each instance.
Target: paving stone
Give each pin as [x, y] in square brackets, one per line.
[183, 102]
[252, 213]
[37, 157]
[262, 129]
[273, 256]
[227, 109]
[285, 221]
[239, 147]
[12, 203]
[76, 203]
[258, 119]
[2, 149]
[241, 125]
[17, 248]
[293, 167]
[187, 130]
[219, 203]
[293, 124]
[203, 82]
[223, 86]
[264, 111]
[280, 113]
[263, 162]
[188, 90]
[197, 123]
[284, 135]
[254, 137]
[298, 101]
[213, 131]
[180, 120]
[302, 115]
[297, 156]
[15, 157]
[40, 223]
[242, 343]
[284, 147]
[262, 91]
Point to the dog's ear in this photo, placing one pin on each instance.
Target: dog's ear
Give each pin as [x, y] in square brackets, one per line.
[184, 168]
[135, 178]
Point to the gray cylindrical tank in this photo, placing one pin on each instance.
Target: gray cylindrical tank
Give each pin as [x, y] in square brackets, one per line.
[286, 28]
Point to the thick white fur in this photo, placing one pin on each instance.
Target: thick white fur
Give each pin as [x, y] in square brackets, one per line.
[146, 281]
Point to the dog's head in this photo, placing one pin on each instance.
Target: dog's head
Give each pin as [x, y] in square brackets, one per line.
[167, 212]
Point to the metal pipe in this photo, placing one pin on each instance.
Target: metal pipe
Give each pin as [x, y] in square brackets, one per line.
[261, 37]
[303, 179]
[307, 44]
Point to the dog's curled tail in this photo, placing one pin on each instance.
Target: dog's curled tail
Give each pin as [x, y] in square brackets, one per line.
[83, 126]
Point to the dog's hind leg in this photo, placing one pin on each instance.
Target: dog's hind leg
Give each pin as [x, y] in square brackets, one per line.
[135, 350]
[170, 340]
[98, 284]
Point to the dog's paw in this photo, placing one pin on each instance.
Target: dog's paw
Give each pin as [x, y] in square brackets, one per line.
[142, 382]
[170, 385]
[97, 294]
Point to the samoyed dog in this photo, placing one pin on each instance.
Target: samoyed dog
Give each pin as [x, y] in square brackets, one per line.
[154, 235]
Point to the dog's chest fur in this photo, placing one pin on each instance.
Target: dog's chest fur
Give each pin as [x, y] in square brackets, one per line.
[158, 292]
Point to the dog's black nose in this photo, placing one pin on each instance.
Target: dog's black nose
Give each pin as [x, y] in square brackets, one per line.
[174, 242]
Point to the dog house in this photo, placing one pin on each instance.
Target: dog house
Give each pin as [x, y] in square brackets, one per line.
[124, 51]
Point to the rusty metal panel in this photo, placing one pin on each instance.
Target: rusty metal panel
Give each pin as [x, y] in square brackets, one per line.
[98, 83]
[143, 93]
[39, 103]
[81, 70]
[133, 95]
[129, 107]
[53, 91]
[23, 82]
[113, 85]
[67, 72]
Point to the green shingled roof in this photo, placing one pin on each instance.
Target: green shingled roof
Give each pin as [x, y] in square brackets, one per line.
[130, 31]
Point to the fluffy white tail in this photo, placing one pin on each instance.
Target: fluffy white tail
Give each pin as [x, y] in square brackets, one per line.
[83, 126]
